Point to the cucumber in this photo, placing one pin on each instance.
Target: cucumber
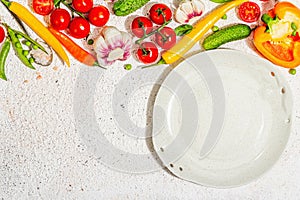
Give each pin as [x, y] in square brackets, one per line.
[225, 35]
[220, 1]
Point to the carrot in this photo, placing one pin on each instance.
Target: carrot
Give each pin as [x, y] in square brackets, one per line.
[75, 50]
[200, 28]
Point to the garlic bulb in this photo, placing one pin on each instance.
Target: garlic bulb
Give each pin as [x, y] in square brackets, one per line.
[189, 11]
[112, 45]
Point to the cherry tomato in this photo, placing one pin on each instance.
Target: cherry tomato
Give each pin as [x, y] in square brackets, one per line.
[83, 6]
[249, 12]
[2, 34]
[60, 19]
[43, 7]
[99, 16]
[147, 53]
[166, 38]
[137, 26]
[159, 13]
[79, 27]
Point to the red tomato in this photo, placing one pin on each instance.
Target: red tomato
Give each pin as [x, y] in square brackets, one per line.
[79, 27]
[43, 7]
[83, 6]
[249, 12]
[99, 16]
[60, 19]
[147, 53]
[159, 13]
[166, 38]
[137, 26]
[2, 34]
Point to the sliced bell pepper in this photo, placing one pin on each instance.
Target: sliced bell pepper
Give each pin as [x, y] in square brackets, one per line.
[278, 40]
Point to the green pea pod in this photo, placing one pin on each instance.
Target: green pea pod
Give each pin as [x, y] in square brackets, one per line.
[19, 50]
[183, 29]
[29, 39]
[3, 55]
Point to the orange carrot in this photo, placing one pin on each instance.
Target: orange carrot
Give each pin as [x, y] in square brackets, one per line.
[75, 50]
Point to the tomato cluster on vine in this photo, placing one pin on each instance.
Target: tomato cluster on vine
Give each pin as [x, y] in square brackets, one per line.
[143, 28]
[75, 18]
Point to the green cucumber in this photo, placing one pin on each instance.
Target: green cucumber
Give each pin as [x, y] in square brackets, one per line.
[225, 35]
[220, 1]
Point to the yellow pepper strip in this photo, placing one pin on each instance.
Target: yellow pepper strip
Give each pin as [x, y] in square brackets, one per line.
[200, 28]
[38, 28]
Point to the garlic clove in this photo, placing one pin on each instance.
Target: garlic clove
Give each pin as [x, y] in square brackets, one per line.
[101, 48]
[189, 11]
[187, 7]
[126, 38]
[104, 61]
[181, 17]
[127, 41]
[116, 54]
[113, 37]
[198, 7]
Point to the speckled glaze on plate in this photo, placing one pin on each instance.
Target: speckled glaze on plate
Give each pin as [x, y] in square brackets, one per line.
[253, 108]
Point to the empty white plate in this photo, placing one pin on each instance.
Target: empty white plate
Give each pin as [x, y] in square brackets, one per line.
[222, 118]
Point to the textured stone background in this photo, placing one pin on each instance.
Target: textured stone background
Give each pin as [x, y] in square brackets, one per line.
[43, 157]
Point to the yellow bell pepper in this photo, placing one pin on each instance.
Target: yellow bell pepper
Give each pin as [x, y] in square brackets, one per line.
[38, 28]
[279, 40]
[188, 41]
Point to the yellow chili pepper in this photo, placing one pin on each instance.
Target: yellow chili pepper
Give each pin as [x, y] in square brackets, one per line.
[38, 28]
[205, 24]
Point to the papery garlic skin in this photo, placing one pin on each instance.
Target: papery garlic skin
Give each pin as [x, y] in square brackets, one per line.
[189, 11]
[112, 45]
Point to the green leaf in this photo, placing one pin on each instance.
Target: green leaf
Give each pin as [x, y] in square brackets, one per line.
[183, 29]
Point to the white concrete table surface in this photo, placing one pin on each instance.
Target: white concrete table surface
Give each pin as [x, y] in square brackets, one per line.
[43, 155]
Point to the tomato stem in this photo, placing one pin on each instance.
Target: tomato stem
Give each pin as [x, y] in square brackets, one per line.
[152, 32]
[73, 10]
[164, 38]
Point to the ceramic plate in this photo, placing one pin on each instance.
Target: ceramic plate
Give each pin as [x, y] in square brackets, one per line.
[222, 118]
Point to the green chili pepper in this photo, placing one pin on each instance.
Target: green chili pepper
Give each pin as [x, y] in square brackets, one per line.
[19, 51]
[3, 55]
